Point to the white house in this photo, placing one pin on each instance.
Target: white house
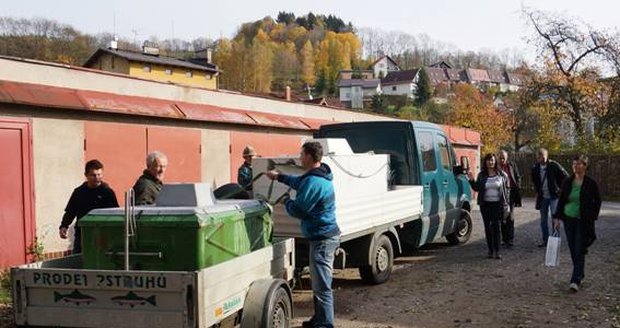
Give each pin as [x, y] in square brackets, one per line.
[354, 92]
[401, 83]
[383, 66]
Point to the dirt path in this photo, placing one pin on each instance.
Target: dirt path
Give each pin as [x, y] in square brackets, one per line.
[443, 286]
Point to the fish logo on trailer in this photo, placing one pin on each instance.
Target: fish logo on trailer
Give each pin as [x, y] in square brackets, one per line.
[74, 297]
[132, 300]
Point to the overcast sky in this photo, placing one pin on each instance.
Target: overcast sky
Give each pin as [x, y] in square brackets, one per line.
[468, 25]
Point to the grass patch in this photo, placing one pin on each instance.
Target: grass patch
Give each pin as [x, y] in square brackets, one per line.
[5, 287]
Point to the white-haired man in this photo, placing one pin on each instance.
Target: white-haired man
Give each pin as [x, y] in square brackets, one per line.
[149, 184]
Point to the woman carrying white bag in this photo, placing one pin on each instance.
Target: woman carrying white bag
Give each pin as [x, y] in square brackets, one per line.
[578, 207]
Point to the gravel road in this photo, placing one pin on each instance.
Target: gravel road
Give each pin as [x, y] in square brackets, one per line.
[446, 286]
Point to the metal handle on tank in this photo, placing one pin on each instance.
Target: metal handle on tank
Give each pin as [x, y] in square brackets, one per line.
[130, 222]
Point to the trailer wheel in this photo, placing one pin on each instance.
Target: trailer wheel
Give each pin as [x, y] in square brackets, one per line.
[382, 255]
[268, 304]
[279, 310]
[463, 229]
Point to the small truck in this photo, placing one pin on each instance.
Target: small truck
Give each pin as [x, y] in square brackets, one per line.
[245, 281]
[398, 186]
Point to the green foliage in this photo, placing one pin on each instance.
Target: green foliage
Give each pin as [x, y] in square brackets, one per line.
[5, 287]
[36, 250]
[424, 91]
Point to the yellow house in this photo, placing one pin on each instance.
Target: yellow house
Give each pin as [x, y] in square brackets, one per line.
[150, 65]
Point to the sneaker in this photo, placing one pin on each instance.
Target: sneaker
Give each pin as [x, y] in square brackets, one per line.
[307, 324]
[542, 245]
[497, 256]
[573, 287]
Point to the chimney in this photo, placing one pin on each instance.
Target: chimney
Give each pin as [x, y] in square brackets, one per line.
[288, 93]
[209, 55]
[114, 44]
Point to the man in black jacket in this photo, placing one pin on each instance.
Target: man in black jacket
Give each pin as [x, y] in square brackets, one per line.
[514, 183]
[92, 194]
[149, 184]
[547, 176]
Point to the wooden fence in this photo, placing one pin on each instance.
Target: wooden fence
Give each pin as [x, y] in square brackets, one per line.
[604, 169]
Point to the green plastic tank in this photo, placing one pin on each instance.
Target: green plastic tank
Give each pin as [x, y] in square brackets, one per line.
[189, 237]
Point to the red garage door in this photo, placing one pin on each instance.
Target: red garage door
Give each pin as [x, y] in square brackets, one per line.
[123, 148]
[266, 144]
[16, 210]
[182, 147]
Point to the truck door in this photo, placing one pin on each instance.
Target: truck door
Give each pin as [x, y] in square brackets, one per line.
[447, 183]
[431, 175]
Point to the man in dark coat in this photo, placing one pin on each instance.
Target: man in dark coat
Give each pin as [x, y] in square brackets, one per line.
[514, 183]
[149, 184]
[244, 174]
[92, 194]
[547, 176]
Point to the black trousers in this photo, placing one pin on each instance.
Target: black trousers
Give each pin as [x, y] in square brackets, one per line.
[508, 227]
[492, 217]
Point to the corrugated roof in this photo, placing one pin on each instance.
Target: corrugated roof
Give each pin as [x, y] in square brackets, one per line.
[400, 77]
[143, 58]
[94, 101]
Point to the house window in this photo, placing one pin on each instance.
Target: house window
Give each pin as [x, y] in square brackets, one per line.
[168, 71]
[189, 74]
[147, 68]
[347, 95]
[208, 76]
[394, 88]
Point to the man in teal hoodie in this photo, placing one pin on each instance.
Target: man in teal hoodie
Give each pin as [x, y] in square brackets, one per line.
[315, 206]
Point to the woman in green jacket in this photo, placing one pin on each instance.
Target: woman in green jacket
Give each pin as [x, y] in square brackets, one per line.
[578, 207]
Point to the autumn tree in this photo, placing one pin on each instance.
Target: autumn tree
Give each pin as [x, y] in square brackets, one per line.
[570, 52]
[473, 109]
[308, 75]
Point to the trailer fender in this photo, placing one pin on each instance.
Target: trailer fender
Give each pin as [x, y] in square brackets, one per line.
[268, 300]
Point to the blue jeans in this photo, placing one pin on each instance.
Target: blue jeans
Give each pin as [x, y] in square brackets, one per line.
[574, 229]
[546, 205]
[321, 266]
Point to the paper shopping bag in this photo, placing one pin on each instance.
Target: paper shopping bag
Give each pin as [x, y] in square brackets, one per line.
[552, 257]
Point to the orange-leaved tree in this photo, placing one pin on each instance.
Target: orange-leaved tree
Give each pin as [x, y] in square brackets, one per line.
[475, 110]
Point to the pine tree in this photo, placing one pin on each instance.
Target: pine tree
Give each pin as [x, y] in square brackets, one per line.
[424, 91]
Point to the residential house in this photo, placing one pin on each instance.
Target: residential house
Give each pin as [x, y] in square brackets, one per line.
[478, 77]
[384, 66]
[354, 92]
[350, 74]
[150, 65]
[515, 81]
[499, 79]
[401, 83]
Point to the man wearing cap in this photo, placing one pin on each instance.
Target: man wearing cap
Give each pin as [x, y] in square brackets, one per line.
[244, 174]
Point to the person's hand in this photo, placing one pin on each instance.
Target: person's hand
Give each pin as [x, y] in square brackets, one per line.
[63, 233]
[273, 175]
[470, 175]
[556, 224]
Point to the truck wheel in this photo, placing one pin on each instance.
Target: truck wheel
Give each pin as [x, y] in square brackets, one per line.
[463, 229]
[280, 310]
[382, 260]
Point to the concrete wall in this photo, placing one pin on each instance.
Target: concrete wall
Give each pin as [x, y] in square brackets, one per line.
[58, 161]
[401, 89]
